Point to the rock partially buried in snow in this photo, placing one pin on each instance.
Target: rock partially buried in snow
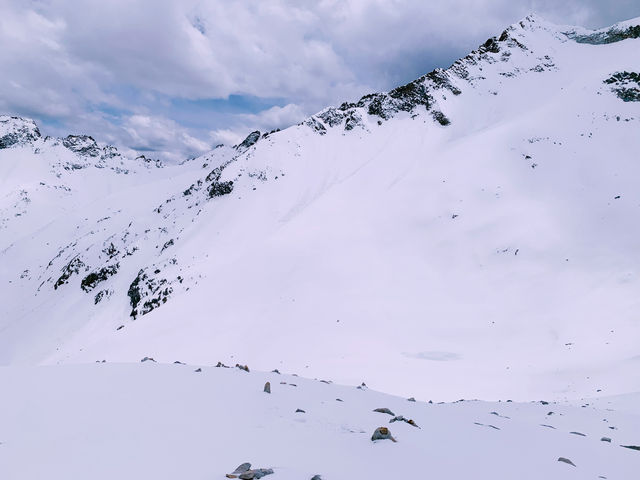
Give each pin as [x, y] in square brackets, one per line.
[82, 145]
[243, 467]
[251, 139]
[267, 387]
[400, 418]
[148, 359]
[382, 433]
[244, 472]
[566, 460]
[632, 447]
[385, 410]
[255, 474]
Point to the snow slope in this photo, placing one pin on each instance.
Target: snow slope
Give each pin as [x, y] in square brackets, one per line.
[471, 234]
[107, 421]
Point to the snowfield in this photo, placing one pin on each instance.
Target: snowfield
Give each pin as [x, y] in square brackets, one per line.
[472, 234]
[107, 421]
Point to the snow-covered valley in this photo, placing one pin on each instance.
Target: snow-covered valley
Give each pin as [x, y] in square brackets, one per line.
[473, 234]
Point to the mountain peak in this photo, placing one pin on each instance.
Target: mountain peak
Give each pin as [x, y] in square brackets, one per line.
[17, 131]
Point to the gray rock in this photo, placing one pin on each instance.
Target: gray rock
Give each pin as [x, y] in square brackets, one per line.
[400, 418]
[261, 472]
[498, 415]
[411, 399]
[385, 410]
[578, 433]
[251, 139]
[255, 474]
[299, 410]
[382, 433]
[148, 359]
[605, 439]
[243, 467]
[316, 477]
[267, 387]
[632, 447]
[486, 425]
[316, 126]
[566, 460]
[82, 145]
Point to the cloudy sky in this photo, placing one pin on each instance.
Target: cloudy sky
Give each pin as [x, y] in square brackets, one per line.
[171, 78]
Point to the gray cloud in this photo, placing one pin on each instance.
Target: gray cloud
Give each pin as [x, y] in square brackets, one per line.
[116, 68]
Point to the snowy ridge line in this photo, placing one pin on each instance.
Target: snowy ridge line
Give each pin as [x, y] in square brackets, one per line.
[620, 31]
[420, 92]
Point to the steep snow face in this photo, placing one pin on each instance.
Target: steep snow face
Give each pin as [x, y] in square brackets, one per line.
[471, 234]
[169, 421]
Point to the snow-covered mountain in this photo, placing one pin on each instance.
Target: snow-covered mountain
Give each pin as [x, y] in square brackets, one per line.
[472, 234]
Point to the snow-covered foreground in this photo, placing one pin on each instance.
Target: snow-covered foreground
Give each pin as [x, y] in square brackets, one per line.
[156, 421]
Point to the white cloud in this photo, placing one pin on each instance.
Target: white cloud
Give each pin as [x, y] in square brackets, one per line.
[162, 136]
[275, 117]
[265, 120]
[226, 136]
